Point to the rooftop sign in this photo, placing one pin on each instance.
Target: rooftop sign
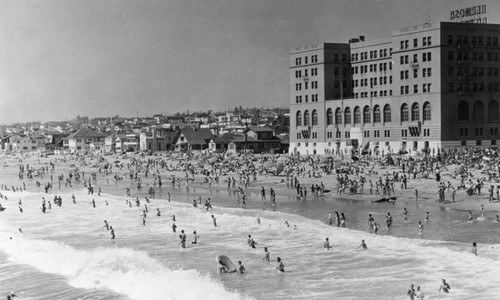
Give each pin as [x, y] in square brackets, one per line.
[474, 14]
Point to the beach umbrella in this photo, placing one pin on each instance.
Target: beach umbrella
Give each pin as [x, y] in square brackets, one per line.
[279, 168]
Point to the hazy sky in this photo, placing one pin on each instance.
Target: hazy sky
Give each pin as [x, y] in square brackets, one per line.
[61, 58]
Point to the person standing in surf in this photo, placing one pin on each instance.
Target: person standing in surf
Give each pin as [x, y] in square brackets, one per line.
[327, 245]
[473, 249]
[215, 221]
[444, 286]
[363, 245]
[112, 232]
[240, 269]
[266, 255]
[281, 265]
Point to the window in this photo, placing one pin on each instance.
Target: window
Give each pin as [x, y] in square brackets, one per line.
[415, 88]
[314, 118]
[307, 118]
[404, 113]
[298, 118]
[415, 43]
[347, 115]
[329, 117]
[387, 113]
[450, 55]
[357, 115]
[450, 39]
[366, 115]
[427, 111]
[415, 112]
[376, 114]
[338, 116]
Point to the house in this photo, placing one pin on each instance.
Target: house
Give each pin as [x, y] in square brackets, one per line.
[19, 143]
[190, 139]
[54, 140]
[255, 141]
[159, 139]
[85, 139]
[109, 143]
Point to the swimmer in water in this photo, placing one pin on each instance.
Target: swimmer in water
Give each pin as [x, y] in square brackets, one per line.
[470, 216]
[420, 227]
[427, 217]
[363, 245]
[497, 219]
[258, 219]
[281, 265]
[158, 213]
[327, 245]
[240, 269]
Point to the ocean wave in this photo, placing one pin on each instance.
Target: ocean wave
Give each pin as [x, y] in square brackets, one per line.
[129, 272]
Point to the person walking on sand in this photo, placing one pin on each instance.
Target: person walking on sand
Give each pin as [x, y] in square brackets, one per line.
[263, 193]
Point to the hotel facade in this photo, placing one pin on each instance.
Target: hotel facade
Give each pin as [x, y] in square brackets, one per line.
[426, 87]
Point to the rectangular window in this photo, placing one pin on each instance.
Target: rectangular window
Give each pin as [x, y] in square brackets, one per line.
[450, 55]
[415, 43]
[450, 39]
[415, 88]
[450, 87]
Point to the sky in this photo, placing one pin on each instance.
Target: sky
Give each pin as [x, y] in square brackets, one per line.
[62, 58]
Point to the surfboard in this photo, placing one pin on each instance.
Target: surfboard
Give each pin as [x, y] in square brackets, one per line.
[226, 262]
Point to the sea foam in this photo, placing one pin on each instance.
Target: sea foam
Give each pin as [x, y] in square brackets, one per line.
[129, 272]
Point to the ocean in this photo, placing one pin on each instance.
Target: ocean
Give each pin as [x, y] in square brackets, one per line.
[67, 254]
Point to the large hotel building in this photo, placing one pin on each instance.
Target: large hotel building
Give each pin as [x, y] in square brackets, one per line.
[429, 86]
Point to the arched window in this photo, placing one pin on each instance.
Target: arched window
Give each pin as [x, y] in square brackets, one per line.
[347, 115]
[463, 111]
[415, 112]
[315, 118]
[478, 112]
[366, 115]
[493, 112]
[387, 113]
[338, 116]
[376, 114]
[298, 118]
[427, 111]
[329, 117]
[307, 118]
[357, 115]
[404, 112]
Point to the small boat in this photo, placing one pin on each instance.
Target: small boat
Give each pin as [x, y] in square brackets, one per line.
[390, 199]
